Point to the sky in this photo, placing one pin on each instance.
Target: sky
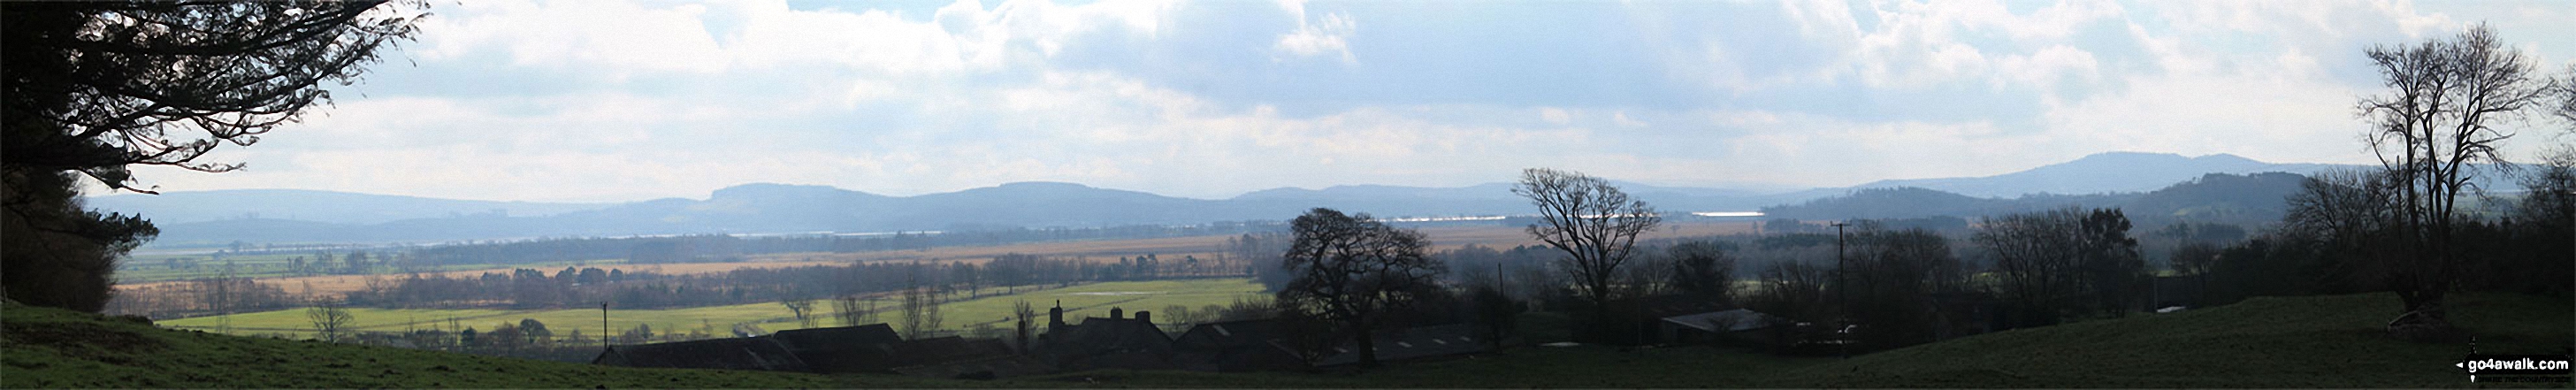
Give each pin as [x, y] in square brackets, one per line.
[609, 101]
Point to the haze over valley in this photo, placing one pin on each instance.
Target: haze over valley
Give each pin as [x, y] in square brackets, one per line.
[301, 216]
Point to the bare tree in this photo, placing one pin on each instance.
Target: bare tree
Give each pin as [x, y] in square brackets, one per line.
[1353, 269]
[1025, 316]
[2431, 131]
[330, 321]
[920, 306]
[1702, 269]
[2049, 262]
[846, 308]
[1594, 223]
[802, 308]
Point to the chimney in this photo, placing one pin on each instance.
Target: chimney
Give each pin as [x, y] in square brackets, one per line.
[1117, 314]
[1144, 316]
[1055, 316]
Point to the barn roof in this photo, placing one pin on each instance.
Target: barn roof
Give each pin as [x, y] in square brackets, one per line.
[1733, 320]
[750, 353]
[1414, 343]
[863, 348]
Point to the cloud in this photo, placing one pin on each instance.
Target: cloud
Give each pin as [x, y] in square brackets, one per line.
[1326, 35]
[591, 101]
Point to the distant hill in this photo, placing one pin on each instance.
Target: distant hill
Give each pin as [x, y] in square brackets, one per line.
[215, 217]
[2249, 200]
[2110, 172]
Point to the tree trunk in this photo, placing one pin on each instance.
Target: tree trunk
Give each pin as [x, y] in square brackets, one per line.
[1367, 344]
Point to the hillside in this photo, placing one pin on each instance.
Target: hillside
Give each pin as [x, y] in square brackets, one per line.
[2101, 173]
[2325, 341]
[2251, 199]
[51, 348]
[2322, 341]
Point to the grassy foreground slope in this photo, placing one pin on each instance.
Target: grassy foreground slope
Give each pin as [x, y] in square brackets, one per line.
[2301, 342]
[2328, 341]
[2322, 341]
[51, 348]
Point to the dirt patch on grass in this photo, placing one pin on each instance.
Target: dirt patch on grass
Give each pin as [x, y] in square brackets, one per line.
[83, 340]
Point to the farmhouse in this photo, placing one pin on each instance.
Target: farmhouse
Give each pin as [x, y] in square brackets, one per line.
[1113, 342]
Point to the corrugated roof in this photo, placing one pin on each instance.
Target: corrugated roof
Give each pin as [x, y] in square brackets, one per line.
[1734, 320]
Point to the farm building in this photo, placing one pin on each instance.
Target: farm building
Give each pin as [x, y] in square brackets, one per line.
[1235, 346]
[1113, 342]
[748, 353]
[847, 349]
[1646, 314]
[1739, 326]
[1416, 343]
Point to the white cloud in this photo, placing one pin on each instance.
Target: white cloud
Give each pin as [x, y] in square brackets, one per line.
[1326, 35]
[625, 101]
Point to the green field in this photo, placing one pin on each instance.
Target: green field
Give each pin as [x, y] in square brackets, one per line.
[1080, 300]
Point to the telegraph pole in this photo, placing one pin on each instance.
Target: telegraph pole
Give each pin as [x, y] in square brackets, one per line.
[1842, 293]
[604, 332]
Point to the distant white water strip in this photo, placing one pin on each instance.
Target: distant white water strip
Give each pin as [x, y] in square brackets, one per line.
[873, 234]
[1728, 213]
[1445, 219]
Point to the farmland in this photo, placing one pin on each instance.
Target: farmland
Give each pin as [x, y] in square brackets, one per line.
[335, 284]
[1079, 300]
[1442, 237]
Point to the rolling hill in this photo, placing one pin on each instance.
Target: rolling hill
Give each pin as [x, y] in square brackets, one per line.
[294, 216]
[2249, 200]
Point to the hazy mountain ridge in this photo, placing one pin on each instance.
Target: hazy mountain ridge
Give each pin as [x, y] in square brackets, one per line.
[219, 216]
[2109, 172]
[2251, 200]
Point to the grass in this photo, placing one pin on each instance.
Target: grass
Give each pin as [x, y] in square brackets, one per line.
[51, 348]
[1089, 299]
[2324, 341]
[2307, 342]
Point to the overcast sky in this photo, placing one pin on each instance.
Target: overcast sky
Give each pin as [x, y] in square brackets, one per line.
[618, 101]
